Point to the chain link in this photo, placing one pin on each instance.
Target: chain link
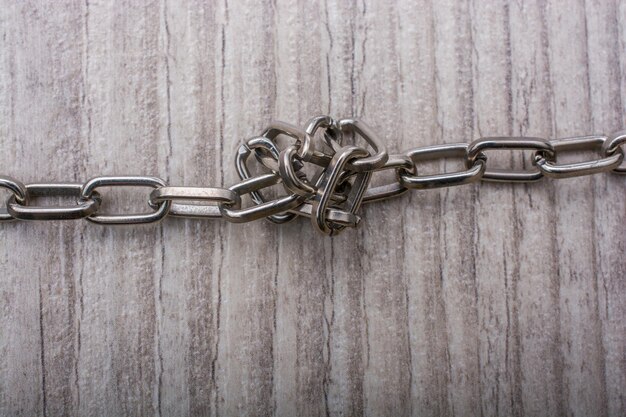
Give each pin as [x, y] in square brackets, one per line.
[474, 172]
[82, 209]
[332, 197]
[18, 190]
[541, 147]
[595, 166]
[89, 188]
[615, 144]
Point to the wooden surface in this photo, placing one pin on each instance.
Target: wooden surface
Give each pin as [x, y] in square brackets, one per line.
[482, 300]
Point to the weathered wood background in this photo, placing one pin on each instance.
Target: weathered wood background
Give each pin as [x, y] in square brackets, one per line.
[482, 300]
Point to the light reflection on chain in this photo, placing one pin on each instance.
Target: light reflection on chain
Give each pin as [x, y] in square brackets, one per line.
[331, 197]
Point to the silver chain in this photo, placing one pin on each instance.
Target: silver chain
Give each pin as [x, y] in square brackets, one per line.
[323, 178]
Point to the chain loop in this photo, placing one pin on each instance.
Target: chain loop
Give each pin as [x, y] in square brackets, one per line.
[383, 192]
[333, 215]
[205, 194]
[554, 170]
[82, 209]
[541, 146]
[615, 143]
[291, 180]
[90, 187]
[267, 146]
[265, 208]
[369, 162]
[322, 199]
[18, 190]
[447, 179]
[303, 145]
[332, 137]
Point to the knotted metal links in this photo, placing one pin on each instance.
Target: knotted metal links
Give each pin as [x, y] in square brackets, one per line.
[321, 172]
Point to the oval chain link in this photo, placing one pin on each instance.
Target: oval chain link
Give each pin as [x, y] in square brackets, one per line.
[18, 190]
[582, 143]
[394, 189]
[446, 179]
[479, 146]
[161, 210]
[81, 209]
[267, 208]
[322, 200]
[616, 143]
[267, 147]
[211, 197]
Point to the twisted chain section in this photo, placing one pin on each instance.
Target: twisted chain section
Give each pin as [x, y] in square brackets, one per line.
[323, 178]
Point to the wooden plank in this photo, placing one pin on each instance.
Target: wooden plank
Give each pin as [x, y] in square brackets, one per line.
[493, 299]
[607, 113]
[535, 335]
[583, 381]
[302, 290]
[119, 344]
[387, 362]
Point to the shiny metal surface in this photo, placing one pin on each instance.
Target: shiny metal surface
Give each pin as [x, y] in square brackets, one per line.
[341, 182]
[267, 146]
[333, 215]
[370, 162]
[596, 166]
[616, 143]
[332, 137]
[81, 209]
[292, 182]
[265, 151]
[541, 146]
[448, 179]
[303, 140]
[157, 214]
[19, 191]
[266, 208]
[330, 179]
[394, 189]
[211, 195]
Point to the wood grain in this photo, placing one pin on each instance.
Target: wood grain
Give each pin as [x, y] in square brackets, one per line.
[492, 299]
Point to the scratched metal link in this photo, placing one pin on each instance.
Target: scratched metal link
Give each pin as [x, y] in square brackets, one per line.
[323, 173]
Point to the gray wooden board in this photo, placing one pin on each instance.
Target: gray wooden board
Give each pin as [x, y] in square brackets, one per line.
[490, 299]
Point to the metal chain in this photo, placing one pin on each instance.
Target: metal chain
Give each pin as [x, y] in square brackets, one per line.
[331, 197]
